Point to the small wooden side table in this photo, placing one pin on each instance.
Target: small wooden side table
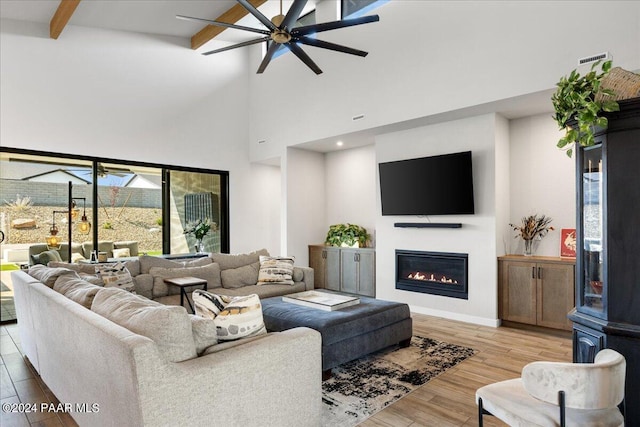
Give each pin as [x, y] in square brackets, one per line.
[183, 283]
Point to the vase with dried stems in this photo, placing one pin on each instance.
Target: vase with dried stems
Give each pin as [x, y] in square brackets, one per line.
[532, 227]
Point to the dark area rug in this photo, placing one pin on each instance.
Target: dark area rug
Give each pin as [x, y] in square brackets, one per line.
[361, 388]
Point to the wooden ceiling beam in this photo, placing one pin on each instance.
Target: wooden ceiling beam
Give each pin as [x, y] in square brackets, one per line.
[61, 17]
[231, 16]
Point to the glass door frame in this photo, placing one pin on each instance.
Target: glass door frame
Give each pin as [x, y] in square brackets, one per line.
[581, 262]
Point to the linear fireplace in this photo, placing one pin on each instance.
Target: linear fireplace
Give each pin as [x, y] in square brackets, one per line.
[436, 273]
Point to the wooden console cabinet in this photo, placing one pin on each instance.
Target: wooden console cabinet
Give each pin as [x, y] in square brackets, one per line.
[350, 270]
[536, 290]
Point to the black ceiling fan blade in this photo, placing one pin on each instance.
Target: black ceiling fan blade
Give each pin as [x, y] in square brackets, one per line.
[331, 46]
[259, 16]
[268, 56]
[297, 51]
[223, 24]
[247, 43]
[333, 25]
[293, 14]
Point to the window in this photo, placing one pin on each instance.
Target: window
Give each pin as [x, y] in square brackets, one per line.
[357, 8]
[124, 201]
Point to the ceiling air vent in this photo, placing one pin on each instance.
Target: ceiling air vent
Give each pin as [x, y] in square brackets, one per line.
[593, 58]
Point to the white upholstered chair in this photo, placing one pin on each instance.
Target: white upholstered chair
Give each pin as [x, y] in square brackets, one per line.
[559, 394]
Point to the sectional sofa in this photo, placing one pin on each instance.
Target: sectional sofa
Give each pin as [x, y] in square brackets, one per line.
[226, 274]
[124, 359]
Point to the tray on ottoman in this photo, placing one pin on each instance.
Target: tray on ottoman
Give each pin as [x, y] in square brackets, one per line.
[348, 333]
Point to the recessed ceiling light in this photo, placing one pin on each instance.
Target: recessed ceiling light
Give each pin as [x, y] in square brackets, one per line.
[339, 143]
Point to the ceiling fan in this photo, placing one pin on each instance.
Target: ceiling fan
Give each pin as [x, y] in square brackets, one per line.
[102, 170]
[281, 32]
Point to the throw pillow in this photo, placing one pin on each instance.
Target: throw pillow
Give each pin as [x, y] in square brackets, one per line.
[76, 257]
[47, 275]
[242, 276]
[168, 326]
[234, 317]
[121, 253]
[116, 275]
[45, 257]
[276, 270]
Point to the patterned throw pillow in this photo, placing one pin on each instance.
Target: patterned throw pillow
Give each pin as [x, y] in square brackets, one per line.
[235, 317]
[116, 275]
[275, 270]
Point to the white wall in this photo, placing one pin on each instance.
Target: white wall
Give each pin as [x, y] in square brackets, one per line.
[516, 166]
[542, 181]
[477, 237]
[429, 57]
[351, 192]
[503, 182]
[305, 198]
[131, 96]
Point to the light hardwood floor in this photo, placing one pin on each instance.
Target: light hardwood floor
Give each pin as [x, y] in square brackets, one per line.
[448, 400]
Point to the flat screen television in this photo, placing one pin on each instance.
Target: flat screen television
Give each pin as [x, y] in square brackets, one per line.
[435, 185]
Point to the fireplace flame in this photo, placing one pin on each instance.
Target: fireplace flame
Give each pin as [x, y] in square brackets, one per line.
[431, 277]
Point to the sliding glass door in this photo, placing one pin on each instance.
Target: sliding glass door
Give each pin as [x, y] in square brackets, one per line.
[150, 204]
[195, 202]
[129, 201]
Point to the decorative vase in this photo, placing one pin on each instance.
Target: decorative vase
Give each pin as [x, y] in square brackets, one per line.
[199, 246]
[528, 247]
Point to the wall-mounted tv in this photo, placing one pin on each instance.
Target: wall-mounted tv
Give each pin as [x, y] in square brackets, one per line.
[435, 185]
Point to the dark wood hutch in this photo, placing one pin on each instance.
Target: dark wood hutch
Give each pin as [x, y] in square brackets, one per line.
[607, 313]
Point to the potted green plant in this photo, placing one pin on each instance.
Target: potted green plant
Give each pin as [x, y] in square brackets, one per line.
[349, 235]
[199, 229]
[579, 104]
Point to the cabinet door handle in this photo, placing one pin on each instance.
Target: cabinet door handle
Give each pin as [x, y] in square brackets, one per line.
[539, 272]
[533, 272]
[324, 254]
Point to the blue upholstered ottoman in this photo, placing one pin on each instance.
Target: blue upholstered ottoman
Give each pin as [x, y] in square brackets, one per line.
[348, 333]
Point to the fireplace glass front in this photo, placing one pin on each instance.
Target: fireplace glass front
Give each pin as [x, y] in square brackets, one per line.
[436, 273]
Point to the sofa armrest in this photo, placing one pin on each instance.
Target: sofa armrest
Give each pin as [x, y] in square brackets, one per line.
[307, 277]
[252, 384]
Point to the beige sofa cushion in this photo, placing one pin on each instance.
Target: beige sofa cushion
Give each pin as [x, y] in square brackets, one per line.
[168, 326]
[147, 262]
[76, 289]
[228, 261]
[246, 275]
[210, 273]
[80, 268]
[48, 275]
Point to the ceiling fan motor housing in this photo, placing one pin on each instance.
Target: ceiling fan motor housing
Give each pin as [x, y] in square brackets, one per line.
[279, 35]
